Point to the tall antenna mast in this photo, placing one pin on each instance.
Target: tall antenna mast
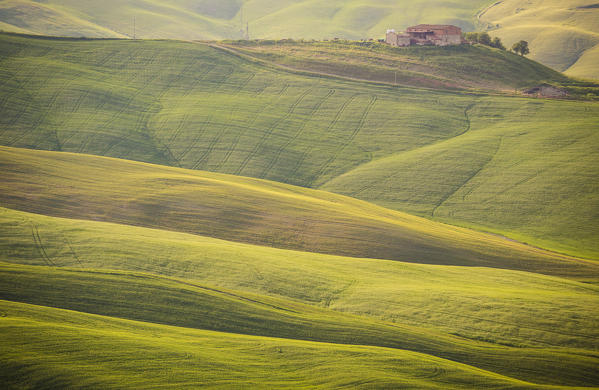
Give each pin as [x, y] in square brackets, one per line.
[245, 32]
[241, 20]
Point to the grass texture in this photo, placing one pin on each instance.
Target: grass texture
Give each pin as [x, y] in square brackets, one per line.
[445, 155]
[159, 300]
[253, 211]
[453, 67]
[69, 349]
[563, 35]
[493, 305]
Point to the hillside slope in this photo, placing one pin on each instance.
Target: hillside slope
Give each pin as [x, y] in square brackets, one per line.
[193, 106]
[254, 211]
[494, 305]
[562, 34]
[454, 67]
[522, 176]
[159, 300]
[97, 351]
[221, 19]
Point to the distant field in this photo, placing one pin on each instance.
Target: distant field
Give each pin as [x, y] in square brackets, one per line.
[53, 348]
[562, 34]
[222, 19]
[439, 154]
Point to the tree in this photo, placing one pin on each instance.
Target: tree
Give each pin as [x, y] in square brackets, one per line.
[471, 36]
[496, 43]
[521, 48]
[484, 39]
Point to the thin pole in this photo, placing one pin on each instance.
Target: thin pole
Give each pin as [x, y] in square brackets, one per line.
[134, 27]
[241, 21]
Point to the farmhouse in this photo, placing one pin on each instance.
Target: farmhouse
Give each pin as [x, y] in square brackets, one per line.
[426, 34]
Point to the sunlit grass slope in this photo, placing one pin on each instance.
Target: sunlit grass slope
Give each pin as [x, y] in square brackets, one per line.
[251, 210]
[193, 106]
[190, 105]
[458, 67]
[561, 34]
[53, 348]
[219, 19]
[154, 299]
[353, 19]
[531, 175]
[114, 19]
[499, 306]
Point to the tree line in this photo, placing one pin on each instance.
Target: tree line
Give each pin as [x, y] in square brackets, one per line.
[520, 47]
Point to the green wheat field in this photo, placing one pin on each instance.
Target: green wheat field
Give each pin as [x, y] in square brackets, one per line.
[192, 210]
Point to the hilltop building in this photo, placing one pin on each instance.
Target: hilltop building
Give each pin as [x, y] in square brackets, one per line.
[426, 34]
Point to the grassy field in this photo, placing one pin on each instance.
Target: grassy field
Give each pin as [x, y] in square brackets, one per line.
[563, 35]
[53, 348]
[117, 273]
[175, 214]
[495, 305]
[152, 299]
[511, 172]
[453, 67]
[445, 155]
[254, 211]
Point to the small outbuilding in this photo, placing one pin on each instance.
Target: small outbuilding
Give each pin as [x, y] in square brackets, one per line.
[546, 90]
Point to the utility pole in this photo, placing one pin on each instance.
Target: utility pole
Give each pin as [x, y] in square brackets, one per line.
[244, 34]
[134, 28]
[241, 21]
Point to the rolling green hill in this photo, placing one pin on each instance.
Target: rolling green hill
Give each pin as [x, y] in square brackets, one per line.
[562, 34]
[445, 155]
[253, 211]
[454, 67]
[174, 214]
[494, 305]
[523, 176]
[499, 306]
[160, 300]
[47, 347]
